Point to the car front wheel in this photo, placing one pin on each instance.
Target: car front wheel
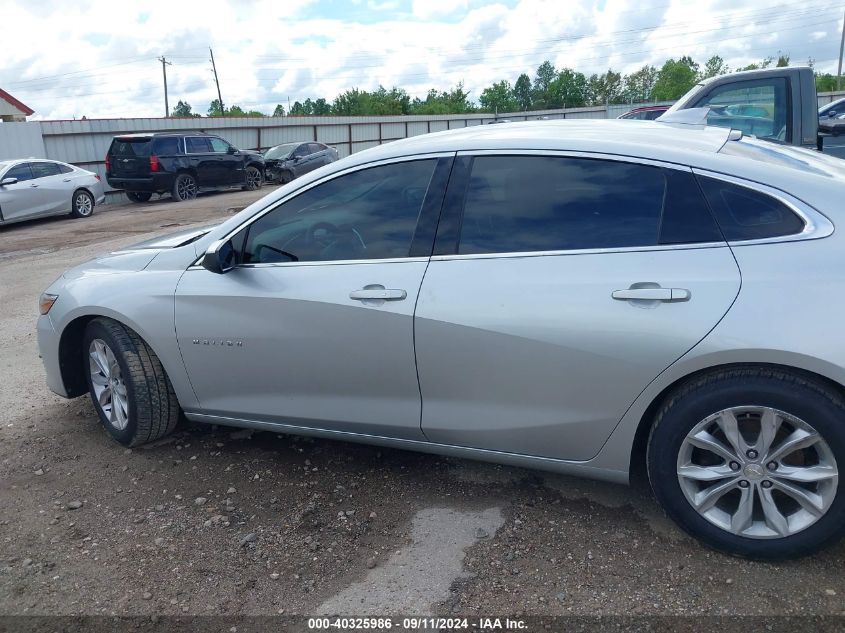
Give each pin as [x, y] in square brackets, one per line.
[747, 460]
[128, 385]
[253, 179]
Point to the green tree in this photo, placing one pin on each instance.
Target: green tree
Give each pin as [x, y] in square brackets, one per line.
[783, 60]
[825, 82]
[605, 88]
[322, 107]
[638, 85]
[567, 90]
[279, 111]
[759, 66]
[499, 98]
[297, 109]
[183, 109]
[675, 78]
[522, 92]
[214, 108]
[454, 101]
[543, 79]
[713, 67]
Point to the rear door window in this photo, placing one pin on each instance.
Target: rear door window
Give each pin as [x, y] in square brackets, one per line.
[42, 170]
[544, 203]
[198, 145]
[65, 169]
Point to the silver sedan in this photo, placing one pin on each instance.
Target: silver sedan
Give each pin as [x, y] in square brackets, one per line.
[34, 188]
[590, 297]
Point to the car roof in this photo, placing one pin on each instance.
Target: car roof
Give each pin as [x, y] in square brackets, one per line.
[649, 108]
[151, 134]
[644, 139]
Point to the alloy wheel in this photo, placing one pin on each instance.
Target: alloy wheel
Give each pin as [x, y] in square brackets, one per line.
[108, 384]
[83, 204]
[757, 472]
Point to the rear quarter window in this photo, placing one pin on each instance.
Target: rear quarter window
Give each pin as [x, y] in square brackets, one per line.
[166, 146]
[746, 214]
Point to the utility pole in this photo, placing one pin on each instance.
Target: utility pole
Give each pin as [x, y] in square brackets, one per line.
[841, 47]
[214, 68]
[164, 65]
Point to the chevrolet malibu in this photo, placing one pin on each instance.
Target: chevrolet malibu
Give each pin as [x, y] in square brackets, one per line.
[589, 297]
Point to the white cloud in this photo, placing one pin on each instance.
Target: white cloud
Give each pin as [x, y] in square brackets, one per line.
[99, 56]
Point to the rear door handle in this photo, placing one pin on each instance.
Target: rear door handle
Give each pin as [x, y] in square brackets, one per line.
[652, 294]
[385, 294]
[66, 180]
[33, 185]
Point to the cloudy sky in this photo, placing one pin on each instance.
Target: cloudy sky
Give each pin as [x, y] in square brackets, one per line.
[99, 58]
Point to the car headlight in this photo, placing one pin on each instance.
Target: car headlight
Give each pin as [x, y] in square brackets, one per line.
[46, 302]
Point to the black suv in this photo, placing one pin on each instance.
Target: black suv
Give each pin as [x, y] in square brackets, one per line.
[179, 163]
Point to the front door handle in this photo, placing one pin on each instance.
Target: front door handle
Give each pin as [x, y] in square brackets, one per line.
[652, 294]
[385, 294]
[33, 185]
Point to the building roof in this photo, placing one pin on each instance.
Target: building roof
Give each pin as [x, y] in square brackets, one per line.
[25, 109]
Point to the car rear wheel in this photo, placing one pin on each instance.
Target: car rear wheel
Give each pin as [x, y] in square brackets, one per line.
[253, 179]
[184, 187]
[128, 385]
[747, 460]
[82, 204]
[139, 196]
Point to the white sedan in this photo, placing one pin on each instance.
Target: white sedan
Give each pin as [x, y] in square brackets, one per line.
[35, 188]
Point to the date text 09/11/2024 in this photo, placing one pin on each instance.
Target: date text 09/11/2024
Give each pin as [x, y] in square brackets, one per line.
[415, 623]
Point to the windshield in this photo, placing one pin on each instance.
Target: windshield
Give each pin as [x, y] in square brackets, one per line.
[280, 151]
[3, 165]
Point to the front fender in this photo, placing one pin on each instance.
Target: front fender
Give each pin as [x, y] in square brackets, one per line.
[143, 301]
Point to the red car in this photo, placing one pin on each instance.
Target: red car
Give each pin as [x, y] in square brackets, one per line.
[646, 113]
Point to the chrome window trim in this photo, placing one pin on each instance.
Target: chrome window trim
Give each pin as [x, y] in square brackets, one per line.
[581, 251]
[621, 158]
[197, 265]
[816, 224]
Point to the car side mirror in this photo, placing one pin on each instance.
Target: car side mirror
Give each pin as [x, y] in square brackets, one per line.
[220, 257]
[232, 150]
[8, 181]
[832, 114]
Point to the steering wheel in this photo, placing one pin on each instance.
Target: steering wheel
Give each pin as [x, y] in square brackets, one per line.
[330, 228]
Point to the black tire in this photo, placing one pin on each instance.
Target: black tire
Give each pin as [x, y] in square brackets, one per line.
[795, 393]
[152, 408]
[139, 196]
[81, 204]
[184, 187]
[254, 178]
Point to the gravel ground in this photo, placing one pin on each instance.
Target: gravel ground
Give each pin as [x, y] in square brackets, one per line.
[228, 522]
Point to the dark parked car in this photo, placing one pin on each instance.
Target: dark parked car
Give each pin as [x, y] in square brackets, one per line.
[291, 160]
[646, 113]
[832, 109]
[182, 164]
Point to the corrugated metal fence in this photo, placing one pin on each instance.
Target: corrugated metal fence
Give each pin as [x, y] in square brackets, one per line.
[85, 142]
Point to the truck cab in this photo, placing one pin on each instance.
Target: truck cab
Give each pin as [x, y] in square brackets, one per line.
[776, 104]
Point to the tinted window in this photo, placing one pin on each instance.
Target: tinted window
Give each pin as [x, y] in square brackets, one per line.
[131, 148]
[538, 203]
[302, 150]
[313, 148]
[21, 172]
[755, 107]
[65, 169]
[745, 214]
[42, 170]
[167, 145]
[369, 214]
[198, 145]
[219, 145]
[686, 217]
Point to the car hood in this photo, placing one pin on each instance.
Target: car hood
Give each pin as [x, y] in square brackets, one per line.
[138, 256]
